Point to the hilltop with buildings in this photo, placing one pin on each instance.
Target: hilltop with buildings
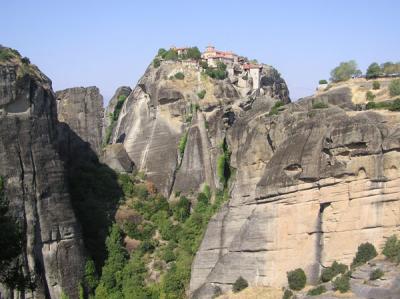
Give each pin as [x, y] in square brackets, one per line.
[217, 64]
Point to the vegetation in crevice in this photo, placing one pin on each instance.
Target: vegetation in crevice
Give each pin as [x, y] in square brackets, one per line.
[182, 144]
[114, 118]
[278, 106]
[317, 291]
[319, 105]
[223, 164]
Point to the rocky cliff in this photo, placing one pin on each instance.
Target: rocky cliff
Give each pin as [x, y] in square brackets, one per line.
[80, 112]
[307, 184]
[34, 181]
[172, 128]
[313, 185]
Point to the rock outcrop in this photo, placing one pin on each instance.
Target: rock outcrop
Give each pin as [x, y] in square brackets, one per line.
[35, 185]
[80, 111]
[163, 112]
[311, 185]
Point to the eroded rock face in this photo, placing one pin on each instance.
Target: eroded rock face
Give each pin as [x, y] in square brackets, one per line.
[162, 109]
[311, 186]
[81, 110]
[35, 184]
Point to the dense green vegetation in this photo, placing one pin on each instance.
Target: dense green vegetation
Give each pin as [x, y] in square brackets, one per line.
[191, 53]
[7, 53]
[170, 234]
[317, 291]
[323, 81]
[392, 249]
[330, 272]
[239, 285]
[376, 274]
[297, 279]
[365, 252]
[217, 73]
[394, 88]
[276, 108]
[389, 105]
[202, 94]
[342, 283]
[319, 105]
[11, 244]
[114, 117]
[223, 164]
[345, 71]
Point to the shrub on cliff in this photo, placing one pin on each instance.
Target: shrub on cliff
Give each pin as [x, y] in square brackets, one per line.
[201, 94]
[297, 279]
[239, 285]
[369, 96]
[376, 274]
[317, 291]
[332, 271]
[217, 73]
[319, 105]
[392, 249]
[376, 85]
[365, 252]
[179, 76]
[156, 62]
[287, 294]
[276, 108]
[342, 283]
[394, 88]
[323, 81]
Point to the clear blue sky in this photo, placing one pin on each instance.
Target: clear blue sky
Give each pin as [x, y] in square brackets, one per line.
[110, 43]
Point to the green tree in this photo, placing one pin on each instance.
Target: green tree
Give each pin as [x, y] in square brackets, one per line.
[342, 283]
[345, 71]
[373, 71]
[323, 81]
[392, 249]
[117, 258]
[365, 252]
[161, 52]
[297, 279]
[90, 278]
